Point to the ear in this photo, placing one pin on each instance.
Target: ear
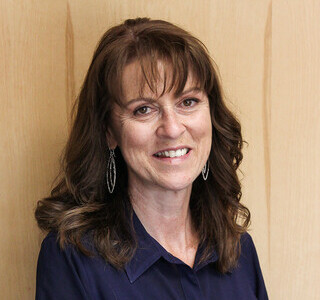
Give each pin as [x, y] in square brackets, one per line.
[111, 140]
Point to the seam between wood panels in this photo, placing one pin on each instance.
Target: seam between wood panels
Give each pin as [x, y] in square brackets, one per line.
[70, 79]
[266, 113]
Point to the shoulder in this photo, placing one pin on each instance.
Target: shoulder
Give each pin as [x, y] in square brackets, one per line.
[248, 261]
[249, 266]
[52, 256]
[51, 237]
[68, 257]
[52, 243]
[60, 267]
[246, 241]
[51, 251]
[248, 250]
[51, 246]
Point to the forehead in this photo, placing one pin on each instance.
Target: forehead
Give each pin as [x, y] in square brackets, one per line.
[137, 82]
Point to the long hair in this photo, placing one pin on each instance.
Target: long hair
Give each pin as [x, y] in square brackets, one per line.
[80, 203]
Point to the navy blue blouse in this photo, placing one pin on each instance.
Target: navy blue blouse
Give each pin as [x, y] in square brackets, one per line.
[153, 273]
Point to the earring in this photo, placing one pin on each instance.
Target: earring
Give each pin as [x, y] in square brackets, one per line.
[205, 171]
[111, 171]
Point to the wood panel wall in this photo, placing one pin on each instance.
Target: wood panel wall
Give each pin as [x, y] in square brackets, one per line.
[268, 53]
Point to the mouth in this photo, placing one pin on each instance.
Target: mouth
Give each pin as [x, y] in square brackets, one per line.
[171, 153]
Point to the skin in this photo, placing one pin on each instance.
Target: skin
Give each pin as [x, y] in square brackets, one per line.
[160, 188]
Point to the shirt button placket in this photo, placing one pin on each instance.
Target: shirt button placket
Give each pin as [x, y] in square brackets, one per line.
[190, 283]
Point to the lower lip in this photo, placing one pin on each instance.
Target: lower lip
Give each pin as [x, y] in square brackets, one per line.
[173, 159]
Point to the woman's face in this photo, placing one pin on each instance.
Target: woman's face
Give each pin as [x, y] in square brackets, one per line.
[165, 140]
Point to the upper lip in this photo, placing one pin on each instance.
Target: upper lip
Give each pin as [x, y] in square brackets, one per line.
[173, 149]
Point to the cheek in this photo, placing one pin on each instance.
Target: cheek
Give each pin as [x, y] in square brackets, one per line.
[202, 134]
[134, 138]
[201, 126]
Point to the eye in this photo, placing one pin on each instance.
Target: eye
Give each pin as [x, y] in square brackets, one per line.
[190, 102]
[142, 110]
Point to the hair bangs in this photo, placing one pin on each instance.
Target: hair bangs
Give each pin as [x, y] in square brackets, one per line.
[168, 64]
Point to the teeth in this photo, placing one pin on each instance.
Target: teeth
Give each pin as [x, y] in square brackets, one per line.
[172, 153]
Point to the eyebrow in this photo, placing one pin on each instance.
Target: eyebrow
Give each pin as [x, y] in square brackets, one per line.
[151, 100]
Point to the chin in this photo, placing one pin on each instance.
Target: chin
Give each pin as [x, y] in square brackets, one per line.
[176, 185]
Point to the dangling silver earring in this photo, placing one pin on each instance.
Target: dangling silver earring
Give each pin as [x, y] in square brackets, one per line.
[111, 171]
[205, 171]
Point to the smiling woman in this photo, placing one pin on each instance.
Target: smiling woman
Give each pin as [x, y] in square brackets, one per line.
[148, 206]
[154, 129]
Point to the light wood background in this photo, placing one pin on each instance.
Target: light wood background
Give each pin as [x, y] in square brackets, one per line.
[269, 58]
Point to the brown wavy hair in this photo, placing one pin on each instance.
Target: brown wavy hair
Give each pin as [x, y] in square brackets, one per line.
[80, 204]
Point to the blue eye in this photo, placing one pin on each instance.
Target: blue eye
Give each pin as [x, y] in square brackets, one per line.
[142, 110]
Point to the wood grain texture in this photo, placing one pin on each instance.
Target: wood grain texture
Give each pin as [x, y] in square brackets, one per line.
[32, 132]
[70, 77]
[295, 144]
[266, 118]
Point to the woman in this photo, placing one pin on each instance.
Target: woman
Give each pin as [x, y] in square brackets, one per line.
[148, 204]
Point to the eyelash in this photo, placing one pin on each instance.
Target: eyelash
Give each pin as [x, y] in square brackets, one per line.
[136, 111]
[195, 100]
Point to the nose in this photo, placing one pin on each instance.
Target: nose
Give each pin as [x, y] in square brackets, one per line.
[170, 126]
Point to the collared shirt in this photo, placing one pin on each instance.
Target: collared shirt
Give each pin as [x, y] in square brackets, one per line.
[152, 274]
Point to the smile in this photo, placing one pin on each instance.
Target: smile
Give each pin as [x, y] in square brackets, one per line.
[172, 153]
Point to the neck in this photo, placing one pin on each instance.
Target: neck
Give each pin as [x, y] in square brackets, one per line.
[165, 215]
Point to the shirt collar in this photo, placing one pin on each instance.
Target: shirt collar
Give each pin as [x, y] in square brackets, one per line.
[150, 251]
[146, 255]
